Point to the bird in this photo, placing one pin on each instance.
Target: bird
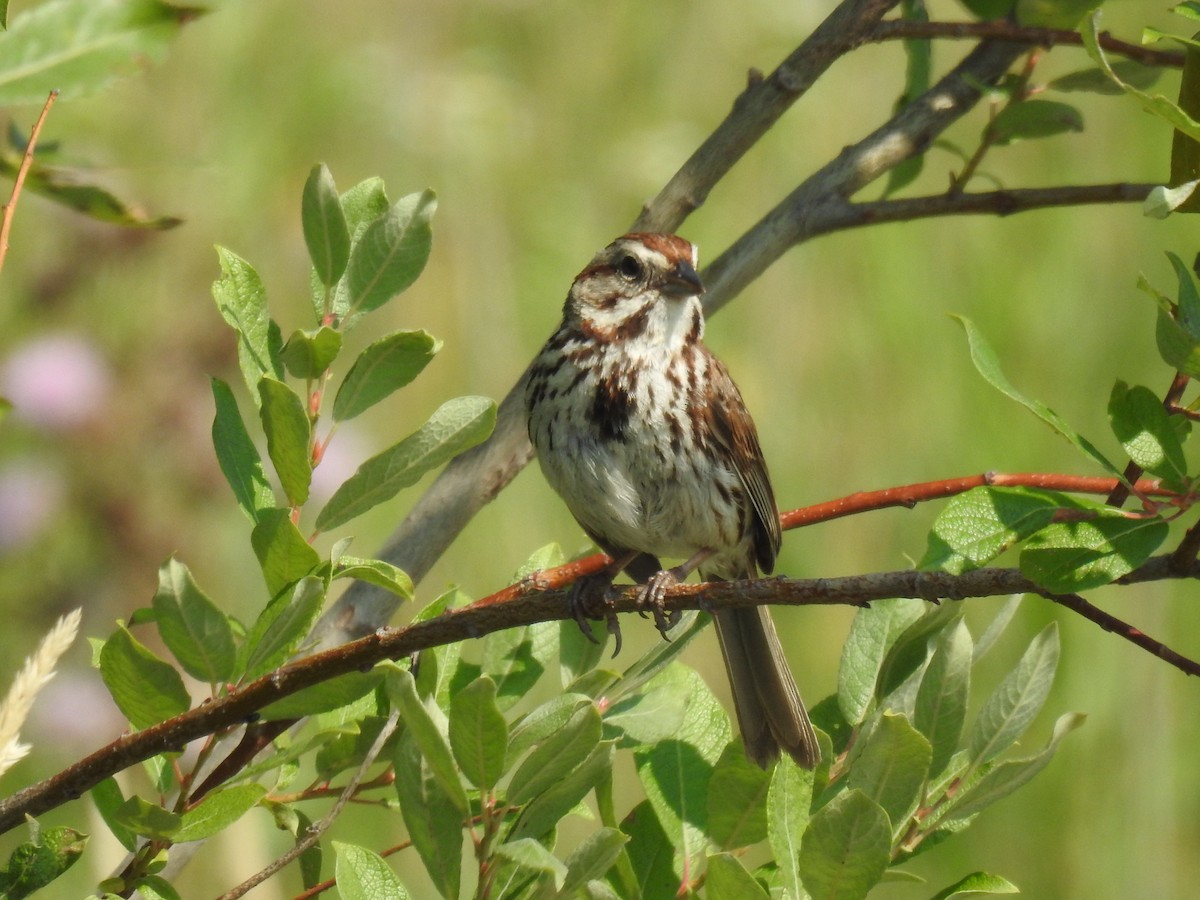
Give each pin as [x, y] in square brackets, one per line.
[642, 432]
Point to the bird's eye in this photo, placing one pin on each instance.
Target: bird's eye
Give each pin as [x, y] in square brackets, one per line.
[630, 267]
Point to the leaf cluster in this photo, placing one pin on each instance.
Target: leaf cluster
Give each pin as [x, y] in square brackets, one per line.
[902, 771]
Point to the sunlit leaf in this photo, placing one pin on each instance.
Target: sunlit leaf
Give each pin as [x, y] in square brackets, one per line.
[383, 367]
[79, 46]
[454, 427]
[237, 455]
[324, 222]
[145, 688]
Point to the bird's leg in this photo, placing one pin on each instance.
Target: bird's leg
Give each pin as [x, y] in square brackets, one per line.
[652, 594]
[591, 598]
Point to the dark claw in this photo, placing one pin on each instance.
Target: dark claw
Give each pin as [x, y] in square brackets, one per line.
[652, 597]
[614, 628]
[591, 598]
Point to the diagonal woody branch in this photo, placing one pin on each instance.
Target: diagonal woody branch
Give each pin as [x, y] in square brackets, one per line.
[526, 607]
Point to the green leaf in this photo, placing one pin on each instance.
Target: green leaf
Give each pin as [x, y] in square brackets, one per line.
[663, 653]
[789, 799]
[977, 883]
[63, 186]
[80, 46]
[1030, 119]
[649, 852]
[288, 431]
[516, 659]
[1017, 699]
[108, 799]
[872, 633]
[1188, 309]
[526, 853]
[217, 811]
[242, 302]
[1067, 557]
[155, 887]
[325, 230]
[652, 712]
[431, 740]
[592, 859]
[382, 368]
[846, 848]
[237, 456]
[361, 205]
[917, 79]
[1008, 776]
[324, 696]
[283, 554]
[455, 426]
[431, 815]
[977, 526]
[1052, 13]
[479, 733]
[675, 773]
[192, 626]
[1178, 349]
[544, 811]
[728, 879]
[911, 649]
[892, 767]
[543, 721]
[307, 354]
[1147, 432]
[1156, 105]
[35, 863]
[377, 572]
[282, 626]
[391, 252]
[556, 756]
[362, 874]
[147, 819]
[737, 799]
[941, 704]
[145, 688]
[988, 366]
[1096, 80]
[996, 627]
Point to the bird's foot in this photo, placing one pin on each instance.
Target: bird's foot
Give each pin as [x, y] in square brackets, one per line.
[592, 598]
[652, 597]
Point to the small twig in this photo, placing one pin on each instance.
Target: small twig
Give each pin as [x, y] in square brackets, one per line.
[26, 161]
[999, 30]
[1112, 624]
[318, 828]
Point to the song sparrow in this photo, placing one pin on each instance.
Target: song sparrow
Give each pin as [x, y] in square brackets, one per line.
[643, 433]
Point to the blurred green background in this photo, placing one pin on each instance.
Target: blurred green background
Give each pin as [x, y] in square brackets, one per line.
[544, 127]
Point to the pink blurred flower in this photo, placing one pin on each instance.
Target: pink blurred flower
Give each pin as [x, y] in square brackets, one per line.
[56, 381]
[31, 493]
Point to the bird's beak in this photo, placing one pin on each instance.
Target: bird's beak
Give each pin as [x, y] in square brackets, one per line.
[683, 281]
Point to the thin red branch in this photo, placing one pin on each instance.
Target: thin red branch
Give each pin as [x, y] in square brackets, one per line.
[999, 30]
[912, 494]
[10, 207]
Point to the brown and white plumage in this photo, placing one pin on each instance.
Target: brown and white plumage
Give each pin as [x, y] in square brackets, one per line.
[645, 436]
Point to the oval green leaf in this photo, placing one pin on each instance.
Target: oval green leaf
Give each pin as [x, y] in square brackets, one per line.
[455, 426]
